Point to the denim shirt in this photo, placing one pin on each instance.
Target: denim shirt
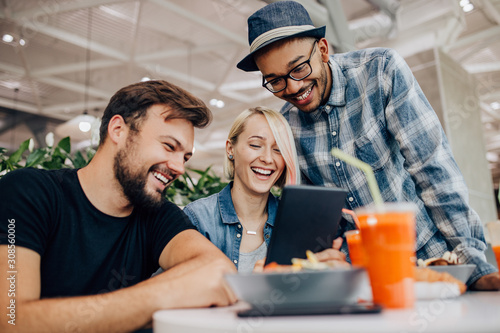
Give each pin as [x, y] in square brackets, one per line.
[378, 113]
[216, 219]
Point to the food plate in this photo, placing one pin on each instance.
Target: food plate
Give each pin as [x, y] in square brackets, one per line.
[459, 272]
[267, 291]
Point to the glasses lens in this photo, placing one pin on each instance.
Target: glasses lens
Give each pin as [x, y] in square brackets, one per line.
[276, 85]
[301, 71]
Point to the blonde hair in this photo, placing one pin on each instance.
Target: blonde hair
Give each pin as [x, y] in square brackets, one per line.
[284, 139]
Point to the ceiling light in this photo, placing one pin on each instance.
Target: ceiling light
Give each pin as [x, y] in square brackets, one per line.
[144, 79]
[8, 38]
[466, 5]
[217, 103]
[495, 105]
[467, 8]
[13, 39]
[84, 126]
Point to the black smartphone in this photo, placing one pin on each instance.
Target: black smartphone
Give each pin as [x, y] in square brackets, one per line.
[310, 309]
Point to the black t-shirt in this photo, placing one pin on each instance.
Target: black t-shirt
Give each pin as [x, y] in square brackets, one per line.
[83, 251]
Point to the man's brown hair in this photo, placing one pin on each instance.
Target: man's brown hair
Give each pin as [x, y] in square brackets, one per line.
[133, 101]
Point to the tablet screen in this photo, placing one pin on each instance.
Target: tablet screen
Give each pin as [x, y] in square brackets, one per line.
[307, 219]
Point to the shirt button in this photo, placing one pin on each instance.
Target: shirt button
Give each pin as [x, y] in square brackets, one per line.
[235, 261]
[328, 107]
[267, 236]
[351, 199]
[239, 226]
[334, 133]
[238, 235]
[337, 164]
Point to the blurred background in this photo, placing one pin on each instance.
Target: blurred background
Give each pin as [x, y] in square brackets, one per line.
[61, 61]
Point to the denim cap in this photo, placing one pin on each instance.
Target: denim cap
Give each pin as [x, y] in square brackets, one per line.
[276, 21]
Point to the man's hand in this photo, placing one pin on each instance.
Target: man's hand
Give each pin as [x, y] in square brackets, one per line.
[488, 282]
[201, 287]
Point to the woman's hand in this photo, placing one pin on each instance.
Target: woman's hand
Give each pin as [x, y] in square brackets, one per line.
[333, 255]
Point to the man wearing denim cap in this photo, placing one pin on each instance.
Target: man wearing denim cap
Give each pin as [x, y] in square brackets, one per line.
[368, 104]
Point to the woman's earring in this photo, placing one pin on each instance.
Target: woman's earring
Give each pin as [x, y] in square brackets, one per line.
[230, 157]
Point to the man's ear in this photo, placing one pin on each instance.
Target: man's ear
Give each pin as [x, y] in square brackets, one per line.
[323, 49]
[117, 129]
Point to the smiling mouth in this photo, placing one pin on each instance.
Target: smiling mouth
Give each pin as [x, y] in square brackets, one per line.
[263, 172]
[304, 95]
[164, 180]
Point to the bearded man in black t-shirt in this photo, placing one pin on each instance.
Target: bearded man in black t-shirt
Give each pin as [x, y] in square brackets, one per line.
[77, 247]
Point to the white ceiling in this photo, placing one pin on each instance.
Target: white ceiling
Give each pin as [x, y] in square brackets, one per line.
[78, 53]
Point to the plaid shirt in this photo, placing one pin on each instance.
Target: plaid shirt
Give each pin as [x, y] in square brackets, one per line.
[378, 113]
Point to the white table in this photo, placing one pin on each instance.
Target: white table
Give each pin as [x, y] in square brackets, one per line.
[472, 312]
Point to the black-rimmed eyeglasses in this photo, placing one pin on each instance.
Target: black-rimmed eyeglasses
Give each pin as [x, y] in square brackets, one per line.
[299, 72]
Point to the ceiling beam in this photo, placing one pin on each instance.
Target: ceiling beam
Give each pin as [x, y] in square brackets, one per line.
[105, 63]
[21, 106]
[168, 72]
[57, 82]
[484, 67]
[69, 108]
[200, 20]
[490, 96]
[75, 87]
[337, 24]
[488, 34]
[181, 52]
[489, 10]
[46, 8]
[75, 67]
[79, 41]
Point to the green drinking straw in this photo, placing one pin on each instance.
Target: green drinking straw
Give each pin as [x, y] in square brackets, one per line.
[370, 177]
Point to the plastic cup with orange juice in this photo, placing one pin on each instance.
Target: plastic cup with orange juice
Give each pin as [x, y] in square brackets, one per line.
[494, 233]
[389, 237]
[388, 234]
[355, 246]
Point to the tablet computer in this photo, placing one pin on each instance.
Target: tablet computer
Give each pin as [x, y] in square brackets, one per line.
[307, 219]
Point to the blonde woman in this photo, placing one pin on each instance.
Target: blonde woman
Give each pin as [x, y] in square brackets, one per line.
[260, 154]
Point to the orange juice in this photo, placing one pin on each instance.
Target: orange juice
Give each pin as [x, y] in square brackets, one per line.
[389, 241]
[496, 250]
[355, 246]
[494, 235]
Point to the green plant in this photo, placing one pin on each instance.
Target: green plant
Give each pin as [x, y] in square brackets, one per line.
[52, 157]
[185, 190]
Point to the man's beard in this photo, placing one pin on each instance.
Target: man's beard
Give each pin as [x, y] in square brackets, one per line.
[134, 184]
